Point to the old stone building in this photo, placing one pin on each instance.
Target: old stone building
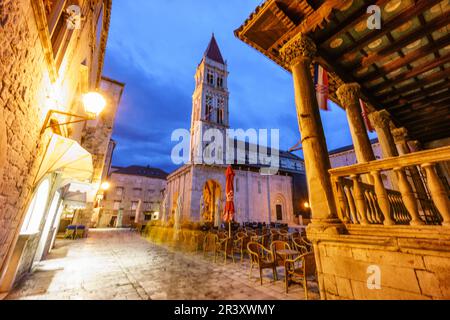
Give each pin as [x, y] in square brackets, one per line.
[134, 196]
[200, 188]
[371, 242]
[51, 57]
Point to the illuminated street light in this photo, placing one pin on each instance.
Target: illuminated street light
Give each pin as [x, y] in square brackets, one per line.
[94, 103]
[105, 186]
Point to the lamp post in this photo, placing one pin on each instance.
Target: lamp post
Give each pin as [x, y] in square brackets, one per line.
[93, 103]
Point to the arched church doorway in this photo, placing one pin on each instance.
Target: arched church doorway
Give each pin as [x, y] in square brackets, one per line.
[211, 202]
[280, 209]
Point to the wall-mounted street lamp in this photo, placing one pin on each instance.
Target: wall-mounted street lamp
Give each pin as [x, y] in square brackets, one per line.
[93, 102]
[105, 186]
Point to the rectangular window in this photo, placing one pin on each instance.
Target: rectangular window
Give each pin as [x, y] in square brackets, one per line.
[134, 205]
[119, 191]
[237, 185]
[137, 192]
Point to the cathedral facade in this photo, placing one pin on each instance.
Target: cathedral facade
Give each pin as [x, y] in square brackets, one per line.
[199, 186]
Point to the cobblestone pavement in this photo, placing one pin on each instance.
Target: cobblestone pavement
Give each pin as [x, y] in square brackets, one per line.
[118, 264]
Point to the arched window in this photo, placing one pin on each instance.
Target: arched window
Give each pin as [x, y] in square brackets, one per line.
[210, 77]
[36, 210]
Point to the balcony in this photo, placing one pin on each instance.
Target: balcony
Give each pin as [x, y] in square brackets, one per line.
[422, 197]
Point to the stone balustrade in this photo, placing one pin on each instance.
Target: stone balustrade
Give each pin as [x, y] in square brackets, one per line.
[364, 204]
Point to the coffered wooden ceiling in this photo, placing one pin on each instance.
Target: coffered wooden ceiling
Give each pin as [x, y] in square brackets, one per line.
[404, 67]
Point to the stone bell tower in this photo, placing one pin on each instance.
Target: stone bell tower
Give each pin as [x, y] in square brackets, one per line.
[210, 100]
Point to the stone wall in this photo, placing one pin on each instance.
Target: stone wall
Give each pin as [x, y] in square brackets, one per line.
[24, 82]
[256, 196]
[414, 263]
[150, 195]
[29, 82]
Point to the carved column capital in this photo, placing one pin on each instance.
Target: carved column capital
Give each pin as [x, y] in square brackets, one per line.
[380, 119]
[349, 94]
[400, 135]
[415, 145]
[299, 47]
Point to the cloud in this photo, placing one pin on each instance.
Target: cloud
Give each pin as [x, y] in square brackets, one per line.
[155, 51]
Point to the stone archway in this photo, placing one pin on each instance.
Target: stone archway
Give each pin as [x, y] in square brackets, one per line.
[212, 197]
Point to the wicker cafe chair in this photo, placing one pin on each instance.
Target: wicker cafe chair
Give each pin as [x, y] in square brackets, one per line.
[224, 245]
[261, 258]
[307, 244]
[299, 270]
[80, 232]
[300, 246]
[274, 235]
[279, 245]
[209, 244]
[238, 245]
[70, 232]
[284, 235]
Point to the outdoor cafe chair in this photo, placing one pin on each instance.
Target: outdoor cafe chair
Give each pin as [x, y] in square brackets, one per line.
[209, 244]
[261, 258]
[224, 245]
[300, 246]
[299, 270]
[274, 235]
[80, 232]
[284, 235]
[279, 245]
[70, 232]
[238, 245]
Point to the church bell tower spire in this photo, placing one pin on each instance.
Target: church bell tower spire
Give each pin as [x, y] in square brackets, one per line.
[210, 98]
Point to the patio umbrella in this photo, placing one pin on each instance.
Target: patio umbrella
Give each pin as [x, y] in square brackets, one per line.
[228, 212]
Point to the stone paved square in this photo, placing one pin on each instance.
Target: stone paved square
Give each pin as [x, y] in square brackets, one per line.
[120, 265]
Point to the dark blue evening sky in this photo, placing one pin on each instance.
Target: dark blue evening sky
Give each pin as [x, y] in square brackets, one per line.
[155, 46]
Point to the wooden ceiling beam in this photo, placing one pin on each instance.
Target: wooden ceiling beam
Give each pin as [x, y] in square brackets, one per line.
[412, 96]
[433, 25]
[407, 59]
[417, 104]
[415, 9]
[440, 108]
[351, 21]
[441, 134]
[412, 74]
[425, 131]
[423, 82]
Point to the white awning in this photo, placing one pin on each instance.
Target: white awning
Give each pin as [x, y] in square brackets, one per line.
[67, 157]
[75, 200]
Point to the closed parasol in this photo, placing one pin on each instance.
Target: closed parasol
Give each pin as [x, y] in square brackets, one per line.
[228, 213]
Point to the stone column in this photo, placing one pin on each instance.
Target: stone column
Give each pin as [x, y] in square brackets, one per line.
[400, 138]
[298, 54]
[382, 123]
[349, 94]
